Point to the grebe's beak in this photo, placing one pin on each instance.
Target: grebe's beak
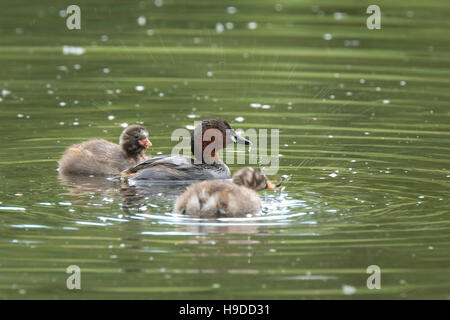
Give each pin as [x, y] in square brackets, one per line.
[145, 143]
[238, 139]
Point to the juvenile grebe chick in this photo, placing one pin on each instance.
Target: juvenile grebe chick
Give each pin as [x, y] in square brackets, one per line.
[101, 157]
[208, 199]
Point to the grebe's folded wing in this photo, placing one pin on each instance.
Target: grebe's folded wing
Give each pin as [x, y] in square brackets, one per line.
[176, 168]
[164, 168]
[167, 160]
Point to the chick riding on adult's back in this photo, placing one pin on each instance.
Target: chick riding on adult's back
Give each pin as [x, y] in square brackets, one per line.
[206, 140]
[101, 157]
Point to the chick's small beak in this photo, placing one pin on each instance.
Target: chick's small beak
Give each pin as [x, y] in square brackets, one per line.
[270, 186]
[145, 143]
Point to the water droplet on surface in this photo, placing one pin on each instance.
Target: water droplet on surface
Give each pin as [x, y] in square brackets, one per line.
[142, 21]
[278, 7]
[231, 10]
[229, 25]
[333, 175]
[252, 25]
[339, 15]
[219, 27]
[348, 290]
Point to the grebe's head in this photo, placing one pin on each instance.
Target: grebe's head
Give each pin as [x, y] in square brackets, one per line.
[211, 136]
[252, 178]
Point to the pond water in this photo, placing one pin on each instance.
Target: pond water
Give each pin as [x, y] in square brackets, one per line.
[364, 120]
